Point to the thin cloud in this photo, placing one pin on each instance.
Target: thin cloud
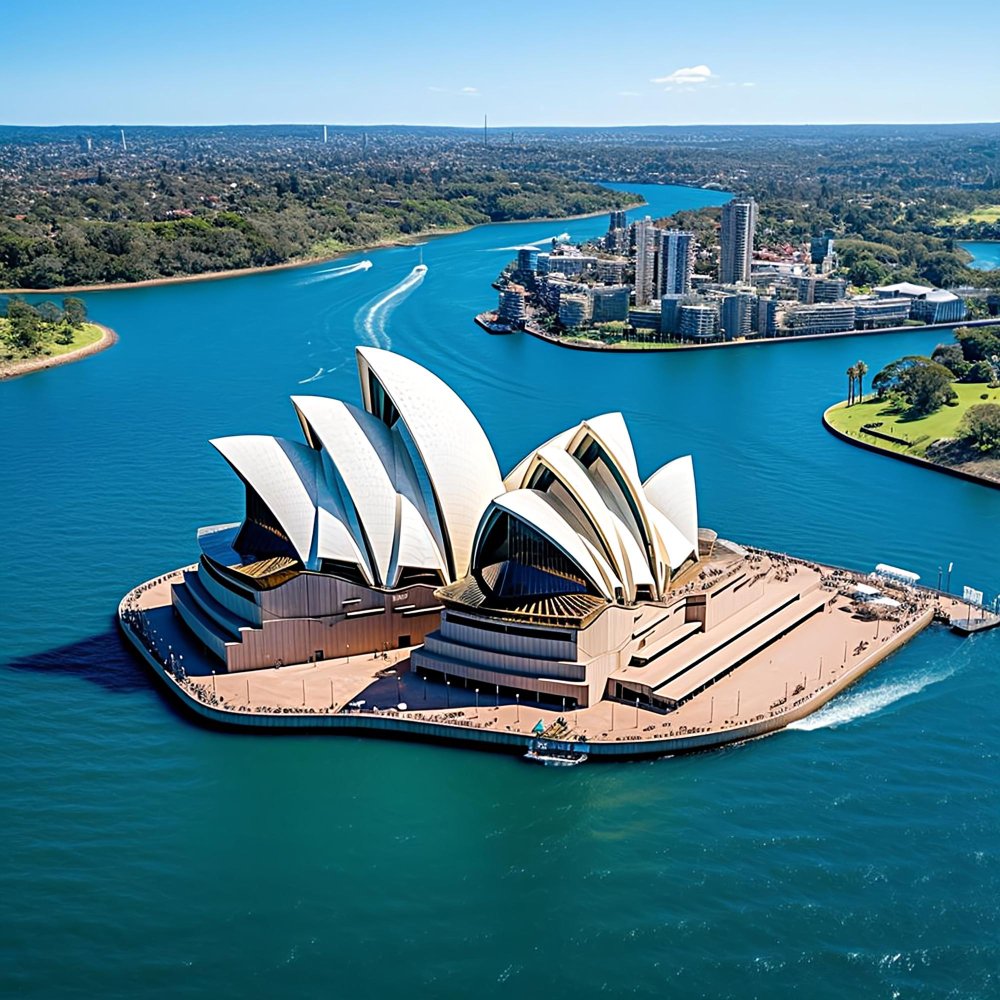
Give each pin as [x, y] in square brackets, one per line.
[686, 76]
[461, 92]
[629, 93]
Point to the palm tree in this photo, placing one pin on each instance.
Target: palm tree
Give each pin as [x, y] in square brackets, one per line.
[852, 374]
[862, 370]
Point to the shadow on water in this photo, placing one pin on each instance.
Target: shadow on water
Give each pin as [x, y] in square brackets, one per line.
[104, 659]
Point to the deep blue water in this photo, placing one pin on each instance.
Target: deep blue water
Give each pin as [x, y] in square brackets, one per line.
[142, 855]
[985, 254]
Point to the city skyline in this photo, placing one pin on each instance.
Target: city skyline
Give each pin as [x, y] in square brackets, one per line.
[241, 65]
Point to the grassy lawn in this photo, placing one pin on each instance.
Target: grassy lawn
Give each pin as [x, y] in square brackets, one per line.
[49, 348]
[985, 213]
[921, 433]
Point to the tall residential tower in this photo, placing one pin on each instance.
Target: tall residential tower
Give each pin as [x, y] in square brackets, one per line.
[676, 263]
[739, 220]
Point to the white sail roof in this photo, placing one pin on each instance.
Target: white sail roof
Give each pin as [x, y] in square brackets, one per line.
[461, 468]
[644, 532]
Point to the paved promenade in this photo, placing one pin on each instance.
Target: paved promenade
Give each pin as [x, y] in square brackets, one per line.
[784, 682]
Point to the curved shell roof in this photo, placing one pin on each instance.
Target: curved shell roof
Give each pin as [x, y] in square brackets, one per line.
[642, 533]
[395, 487]
[460, 465]
[409, 484]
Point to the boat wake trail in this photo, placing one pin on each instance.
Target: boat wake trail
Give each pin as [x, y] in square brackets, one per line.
[337, 272]
[559, 238]
[860, 704]
[312, 378]
[372, 319]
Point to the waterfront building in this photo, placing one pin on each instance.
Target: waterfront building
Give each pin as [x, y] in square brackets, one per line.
[609, 303]
[513, 305]
[617, 220]
[739, 223]
[768, 316]
[697, 322]
[527, 259]
[670, 306]
[736, 315]
[570, 263]
[645, 317]
[823, 317]
[927, 304]
[345, 536]
[871, 312]
[645, 253]
[812, 289]
[574, 310]
[676, 263]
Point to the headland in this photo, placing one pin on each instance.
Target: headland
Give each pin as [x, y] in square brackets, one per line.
[104, 337]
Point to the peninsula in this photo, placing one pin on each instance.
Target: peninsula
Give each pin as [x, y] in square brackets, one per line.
[33, 338]
[649, 285]
[570, 601]
[941, 412]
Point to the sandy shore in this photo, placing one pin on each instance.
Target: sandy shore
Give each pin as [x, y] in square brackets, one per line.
[402, 241]
[15, 369]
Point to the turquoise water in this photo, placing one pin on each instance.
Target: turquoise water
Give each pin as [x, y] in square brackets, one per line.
[143, 855]
[985, 254]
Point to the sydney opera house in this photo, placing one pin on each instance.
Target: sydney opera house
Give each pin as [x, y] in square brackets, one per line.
[389, 526]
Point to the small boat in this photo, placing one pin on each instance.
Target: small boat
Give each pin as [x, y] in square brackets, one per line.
[540, 752]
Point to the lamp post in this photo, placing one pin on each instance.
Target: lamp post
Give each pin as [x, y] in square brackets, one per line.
[425, 686]
[213, 681]
[498, 696]
[517, 697]
[950, 566]
[348, 652]
[331, 695]
[477, 703]
[447, 692]
[636, 713]
[711, 711]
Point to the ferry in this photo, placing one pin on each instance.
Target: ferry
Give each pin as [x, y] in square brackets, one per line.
[553, 755]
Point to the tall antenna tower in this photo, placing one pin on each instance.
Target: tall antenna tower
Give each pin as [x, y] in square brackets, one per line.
[324, 135]
[484, 131]
[124, 145]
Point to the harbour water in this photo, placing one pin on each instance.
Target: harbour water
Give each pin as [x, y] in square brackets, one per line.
[985, 253]
[857, 854]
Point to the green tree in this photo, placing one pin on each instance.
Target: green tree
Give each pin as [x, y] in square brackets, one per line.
[49, 313]
[75, 312]
[861, 370]
[981, 426]
[852, 374]
[921, 384]
[950, 355]
[24, 325]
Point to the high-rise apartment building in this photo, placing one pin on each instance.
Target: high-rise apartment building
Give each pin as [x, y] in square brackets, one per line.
[676, 263]
[645, 255]
[739, 220]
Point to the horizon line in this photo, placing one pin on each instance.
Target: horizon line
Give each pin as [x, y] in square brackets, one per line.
[497, 127]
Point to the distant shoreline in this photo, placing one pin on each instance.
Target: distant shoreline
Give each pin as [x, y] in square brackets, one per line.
[241, 272]
[15, 369]
[657, 347]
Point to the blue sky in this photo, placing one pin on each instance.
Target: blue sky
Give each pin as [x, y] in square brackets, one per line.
[539, 63]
